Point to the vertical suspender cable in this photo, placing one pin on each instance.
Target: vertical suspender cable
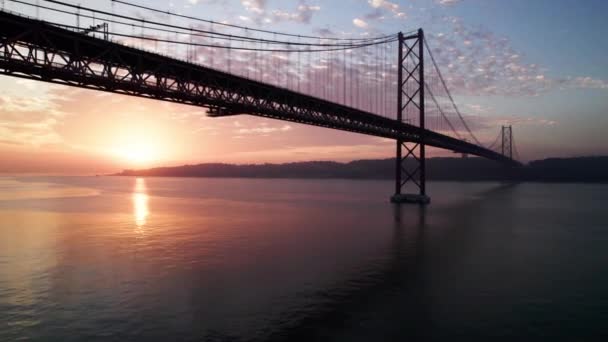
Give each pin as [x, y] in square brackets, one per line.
[344, 77]
[299, 67]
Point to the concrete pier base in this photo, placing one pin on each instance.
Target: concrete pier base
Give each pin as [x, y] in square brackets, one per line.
[411, 198]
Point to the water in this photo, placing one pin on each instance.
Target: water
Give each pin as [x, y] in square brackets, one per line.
[159, 259]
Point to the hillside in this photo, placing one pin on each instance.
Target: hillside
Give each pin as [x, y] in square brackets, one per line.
[583, 169]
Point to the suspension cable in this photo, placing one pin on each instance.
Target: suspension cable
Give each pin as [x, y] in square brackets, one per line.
[466, 126]
[233, 25]
[441, 111]
[215, 34]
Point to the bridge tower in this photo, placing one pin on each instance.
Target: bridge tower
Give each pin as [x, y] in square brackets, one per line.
[507, 141]
[410, 169]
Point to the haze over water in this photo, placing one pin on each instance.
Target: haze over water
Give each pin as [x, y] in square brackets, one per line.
[113, 258]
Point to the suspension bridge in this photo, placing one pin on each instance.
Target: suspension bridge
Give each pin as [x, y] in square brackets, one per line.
[386, 86]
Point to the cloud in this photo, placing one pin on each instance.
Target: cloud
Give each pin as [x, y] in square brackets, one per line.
[377, 14]
[20, 104]
[33, 120]
[447, 2]
[263, 129]
[302, 14]
[32, 129]
[381, 7]
[360, 23]
[479, 109]
[475, 61]
[587, 82]
[384, 4]
[255, 6]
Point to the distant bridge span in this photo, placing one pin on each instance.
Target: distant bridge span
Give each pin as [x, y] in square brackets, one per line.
[41, 51]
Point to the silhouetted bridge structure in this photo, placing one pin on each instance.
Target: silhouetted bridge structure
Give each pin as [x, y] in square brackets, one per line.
[40, 50]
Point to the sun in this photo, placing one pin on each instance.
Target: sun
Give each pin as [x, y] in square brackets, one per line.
[138, 153]
[137, 147]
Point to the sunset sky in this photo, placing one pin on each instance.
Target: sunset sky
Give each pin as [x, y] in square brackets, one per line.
[538, 65]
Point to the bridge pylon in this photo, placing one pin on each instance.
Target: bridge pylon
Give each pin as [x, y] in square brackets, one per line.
[410, 168]
[507, 141]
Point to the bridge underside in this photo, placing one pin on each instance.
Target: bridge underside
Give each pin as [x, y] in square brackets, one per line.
[36, 50]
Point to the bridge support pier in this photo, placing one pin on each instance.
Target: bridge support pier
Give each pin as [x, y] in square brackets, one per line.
[410, 173]
[411, 199]
[410, 170]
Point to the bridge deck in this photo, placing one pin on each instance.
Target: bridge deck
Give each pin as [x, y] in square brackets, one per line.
[37, 50]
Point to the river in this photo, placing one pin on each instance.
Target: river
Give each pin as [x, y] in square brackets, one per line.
[191, 259]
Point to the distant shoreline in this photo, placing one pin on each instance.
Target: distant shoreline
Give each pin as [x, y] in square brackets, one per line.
[590, 170]
[368, 179]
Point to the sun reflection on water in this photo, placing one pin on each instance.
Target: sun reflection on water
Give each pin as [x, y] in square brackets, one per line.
[140, 203]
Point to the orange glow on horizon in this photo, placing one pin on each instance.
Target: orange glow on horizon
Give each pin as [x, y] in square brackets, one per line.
[138, 154]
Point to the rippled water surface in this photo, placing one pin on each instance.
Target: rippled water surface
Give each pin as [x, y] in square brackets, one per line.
[162, 259]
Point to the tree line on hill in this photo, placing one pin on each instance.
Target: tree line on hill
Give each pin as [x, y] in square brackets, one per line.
[581, 169]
